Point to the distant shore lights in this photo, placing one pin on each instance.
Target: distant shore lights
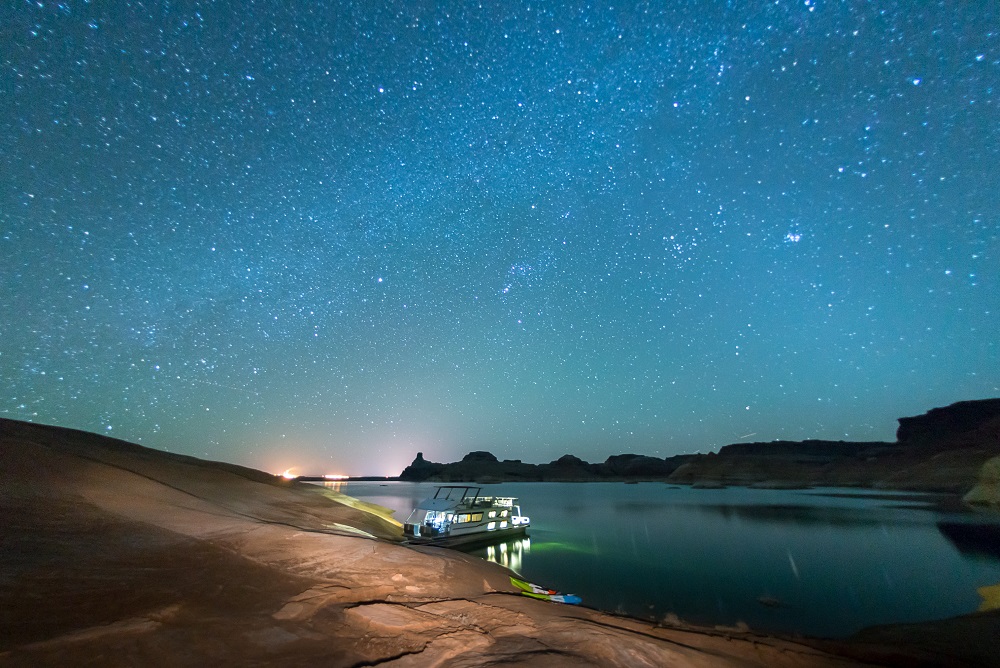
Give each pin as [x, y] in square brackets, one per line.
[289, 474]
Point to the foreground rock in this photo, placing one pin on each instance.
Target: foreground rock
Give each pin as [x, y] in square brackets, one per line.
[940, 451]
[117, 555]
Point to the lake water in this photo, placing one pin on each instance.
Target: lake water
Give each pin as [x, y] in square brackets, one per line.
[818, 562]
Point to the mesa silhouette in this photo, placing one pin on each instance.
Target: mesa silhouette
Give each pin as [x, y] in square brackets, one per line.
[942, 450]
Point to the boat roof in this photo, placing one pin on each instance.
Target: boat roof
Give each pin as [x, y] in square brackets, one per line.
[438, 504]
[451, 496]
[449, 491]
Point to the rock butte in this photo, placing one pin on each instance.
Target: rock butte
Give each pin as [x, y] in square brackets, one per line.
[114, 554]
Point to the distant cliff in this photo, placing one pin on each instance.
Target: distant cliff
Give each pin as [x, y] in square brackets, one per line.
[942, 450]
[485, 467]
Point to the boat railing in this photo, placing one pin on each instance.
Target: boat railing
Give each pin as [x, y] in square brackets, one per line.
[492, 501]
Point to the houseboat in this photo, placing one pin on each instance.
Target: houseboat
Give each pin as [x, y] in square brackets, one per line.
[460, 515]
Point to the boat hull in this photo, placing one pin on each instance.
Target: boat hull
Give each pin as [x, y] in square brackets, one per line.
[477, 538]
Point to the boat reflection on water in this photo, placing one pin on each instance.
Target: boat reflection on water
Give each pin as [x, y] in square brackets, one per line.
[509, 554]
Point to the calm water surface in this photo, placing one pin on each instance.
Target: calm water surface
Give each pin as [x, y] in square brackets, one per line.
[818, 562]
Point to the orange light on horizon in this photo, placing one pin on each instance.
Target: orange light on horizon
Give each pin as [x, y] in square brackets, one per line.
[288, 475]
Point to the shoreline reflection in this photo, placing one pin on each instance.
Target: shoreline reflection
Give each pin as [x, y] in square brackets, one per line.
[509, 554]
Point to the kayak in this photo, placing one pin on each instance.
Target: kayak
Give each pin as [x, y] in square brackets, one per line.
[535, 591]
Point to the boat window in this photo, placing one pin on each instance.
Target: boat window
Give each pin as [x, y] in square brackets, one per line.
[437, 519]
[503, 513]
[503, 525]
[491, 526]
[477, 517]
[493, 513]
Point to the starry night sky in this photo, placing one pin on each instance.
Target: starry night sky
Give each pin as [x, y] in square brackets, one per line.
[330, 234]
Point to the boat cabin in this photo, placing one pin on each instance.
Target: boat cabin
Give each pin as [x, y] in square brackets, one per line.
[461, 513]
